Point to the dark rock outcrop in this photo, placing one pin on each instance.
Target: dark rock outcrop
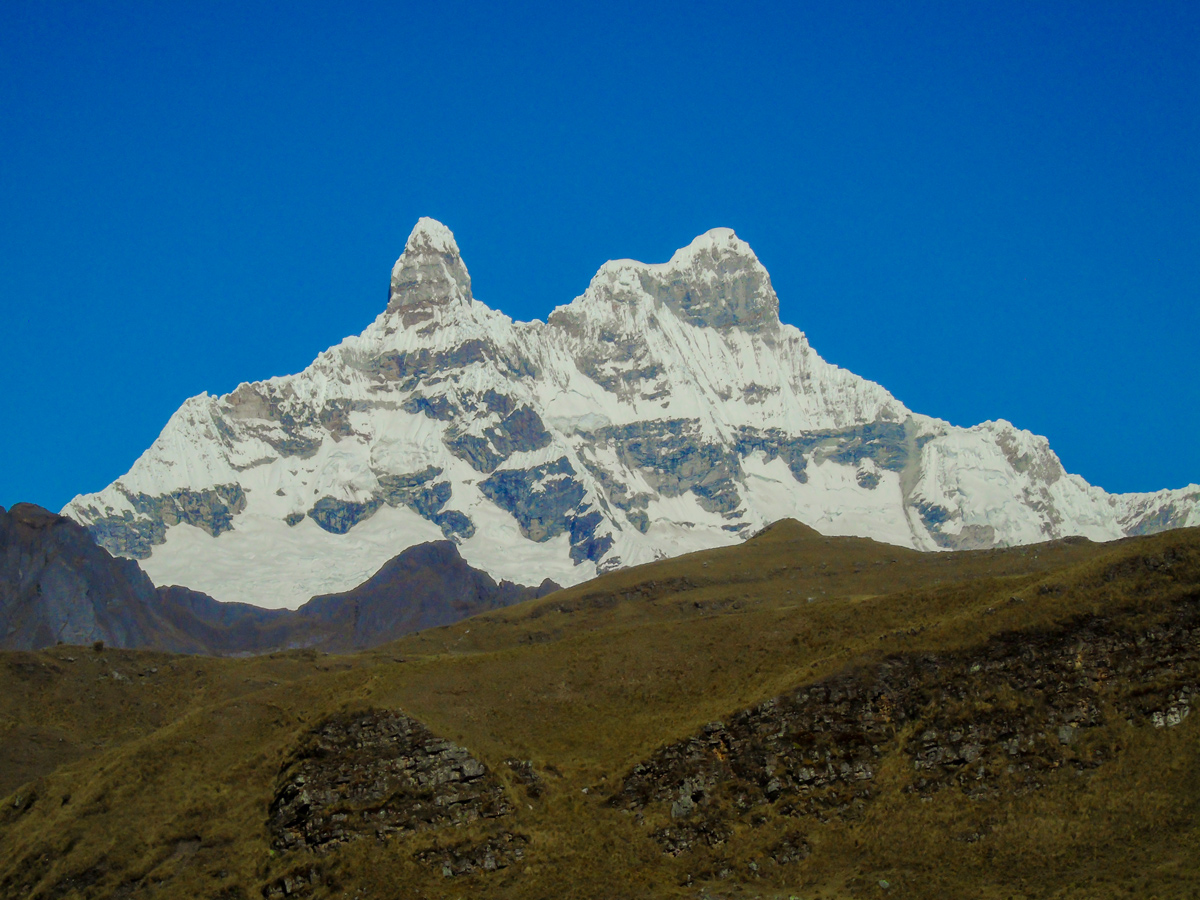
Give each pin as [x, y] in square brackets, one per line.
[438, 408]
[419, 491]
[339, 516]
[1001, 718]
[547, 501]
[378, 774]
[624, 364]
[520, 430]
[416, 490]
[375, 773]
[470, 857]
[543, 499]
[410, 369]
[675, 459]
[527, 776]
[889, 445]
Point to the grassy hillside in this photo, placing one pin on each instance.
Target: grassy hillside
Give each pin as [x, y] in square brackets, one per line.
[979, 724]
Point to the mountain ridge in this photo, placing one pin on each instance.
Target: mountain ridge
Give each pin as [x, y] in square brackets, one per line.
[57, 586]
[665, 409]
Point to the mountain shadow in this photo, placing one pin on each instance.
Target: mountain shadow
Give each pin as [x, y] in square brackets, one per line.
[58, 586]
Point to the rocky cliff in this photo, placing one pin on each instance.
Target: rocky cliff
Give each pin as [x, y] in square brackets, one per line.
[666, 409]
[1000, 719]
[56, 585]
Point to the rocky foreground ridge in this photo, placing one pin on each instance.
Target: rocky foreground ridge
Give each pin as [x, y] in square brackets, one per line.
[666, 409]
[58, 586]
[1023, 712]
[1020, 713]
[1005, 718]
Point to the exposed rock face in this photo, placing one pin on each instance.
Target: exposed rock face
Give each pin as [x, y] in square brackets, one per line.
[687, 414]
[56, 585]
[430, 270]
[519, 432]
[721, 287]
[543, 514]
[376, 773]
[379, 774]
[674, 458]
[1001, 718]
[134, 532]
[417, 490]
[1160, 511]
[470, 857]
[527, 776]
[426, 497]
[339, 516]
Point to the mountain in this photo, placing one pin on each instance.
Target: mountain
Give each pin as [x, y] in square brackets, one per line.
[425, 586]
[58, 586]
[794, 716]
[667, 409]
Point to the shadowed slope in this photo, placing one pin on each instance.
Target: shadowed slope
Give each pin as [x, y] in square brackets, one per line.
[58, 586]
[425, 586]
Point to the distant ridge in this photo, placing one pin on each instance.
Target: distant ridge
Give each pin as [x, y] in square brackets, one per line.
[786, 531]
[425, 586]
[58, 586]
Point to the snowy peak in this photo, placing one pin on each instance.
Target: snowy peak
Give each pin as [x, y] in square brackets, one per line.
[664, 410]
[716, 281]
[430, 235]
[715, 244]
[430, 270]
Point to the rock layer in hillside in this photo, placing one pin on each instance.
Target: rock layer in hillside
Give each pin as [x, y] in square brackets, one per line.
[373, 773]
[1000, 719]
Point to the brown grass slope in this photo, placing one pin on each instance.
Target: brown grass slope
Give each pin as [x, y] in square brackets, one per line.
[163, 782]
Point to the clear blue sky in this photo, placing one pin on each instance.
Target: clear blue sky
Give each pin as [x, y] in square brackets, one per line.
[991, 209]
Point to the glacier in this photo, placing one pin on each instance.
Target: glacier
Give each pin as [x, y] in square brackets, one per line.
[667, 409]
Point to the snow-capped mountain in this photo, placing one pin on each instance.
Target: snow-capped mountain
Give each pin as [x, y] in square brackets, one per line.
[665, 410]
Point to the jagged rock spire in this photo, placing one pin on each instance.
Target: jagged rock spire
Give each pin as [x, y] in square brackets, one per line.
[430, 270]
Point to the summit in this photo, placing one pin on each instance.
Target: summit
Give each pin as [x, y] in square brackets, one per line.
[666, 409]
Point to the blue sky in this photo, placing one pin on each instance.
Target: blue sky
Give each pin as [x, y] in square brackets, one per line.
[991, 209]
